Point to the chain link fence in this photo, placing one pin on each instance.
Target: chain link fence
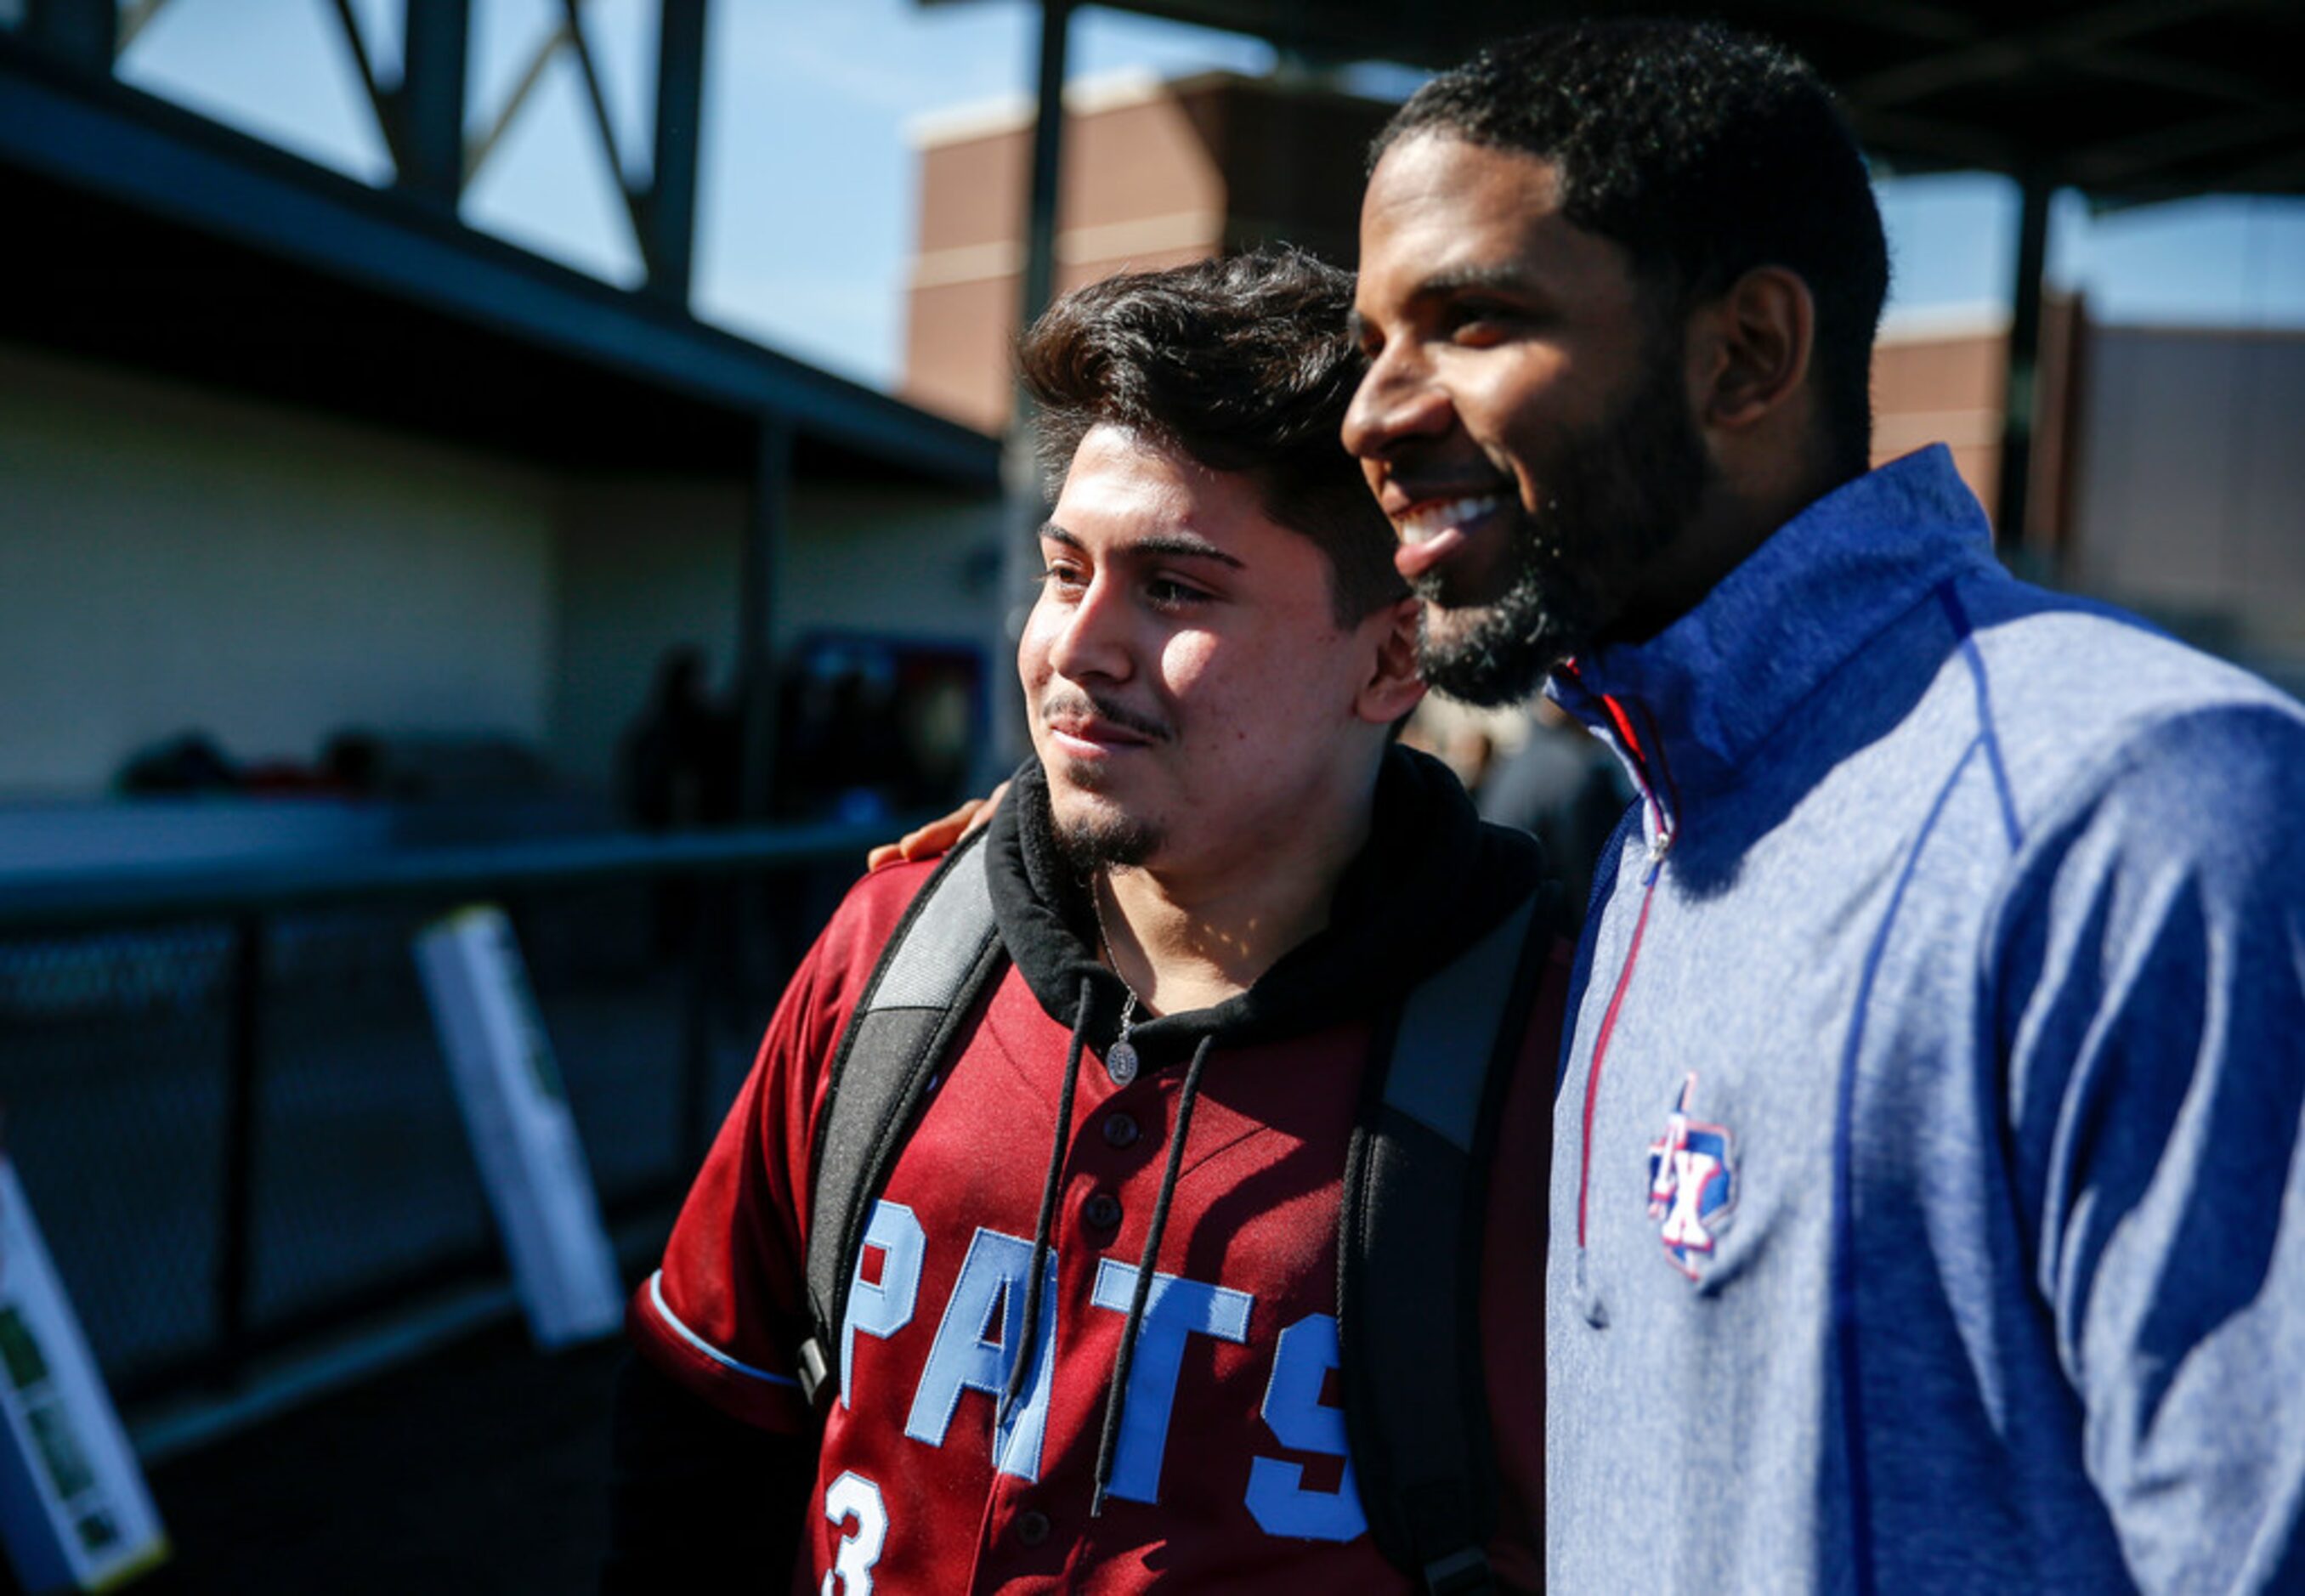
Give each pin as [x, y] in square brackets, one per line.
[232, 1118]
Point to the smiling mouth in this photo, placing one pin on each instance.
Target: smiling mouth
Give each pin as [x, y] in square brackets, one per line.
[1086, 727]
[1090, 738]
[1425, 522]
[1432, 529]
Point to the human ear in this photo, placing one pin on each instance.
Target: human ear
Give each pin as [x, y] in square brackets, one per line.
[1751, 348]
[1392, 688]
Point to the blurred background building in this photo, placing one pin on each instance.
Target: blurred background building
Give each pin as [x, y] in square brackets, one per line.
[554, 452]
[2161, 468]
[1156, 173]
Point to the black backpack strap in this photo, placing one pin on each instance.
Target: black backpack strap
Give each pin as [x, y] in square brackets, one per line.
[1410, 1240]
[943, 956]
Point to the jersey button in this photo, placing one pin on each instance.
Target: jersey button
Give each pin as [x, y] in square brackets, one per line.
[1032, 1527]
[1102, 1211]
[1121, 1130]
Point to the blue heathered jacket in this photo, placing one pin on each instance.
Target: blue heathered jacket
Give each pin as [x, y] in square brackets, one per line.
[1929, 1195]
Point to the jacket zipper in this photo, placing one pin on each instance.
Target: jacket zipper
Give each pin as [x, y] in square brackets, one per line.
[1658, 847]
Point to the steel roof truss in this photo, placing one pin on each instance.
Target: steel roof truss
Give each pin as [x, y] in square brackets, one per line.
[2077, 41]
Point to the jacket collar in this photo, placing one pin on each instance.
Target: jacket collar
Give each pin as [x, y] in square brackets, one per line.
[1687, 708]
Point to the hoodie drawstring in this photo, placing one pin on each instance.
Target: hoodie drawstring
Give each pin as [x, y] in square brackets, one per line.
[1028, 1339]
[1116, 1401]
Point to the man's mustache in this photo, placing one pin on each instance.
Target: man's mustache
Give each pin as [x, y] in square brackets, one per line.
[1081, 705]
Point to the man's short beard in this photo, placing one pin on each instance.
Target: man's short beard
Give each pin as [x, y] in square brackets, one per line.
[1619, 493]
[1105, 841]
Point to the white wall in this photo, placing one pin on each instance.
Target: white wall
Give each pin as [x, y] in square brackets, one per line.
[645, 565]
[649, 562]
[171, 558]
[890, 559]
[2191, 489]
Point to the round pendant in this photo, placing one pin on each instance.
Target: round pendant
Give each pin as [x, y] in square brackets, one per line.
[1120, 1063]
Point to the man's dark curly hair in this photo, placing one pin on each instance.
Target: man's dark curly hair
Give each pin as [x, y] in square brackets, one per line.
[1245, 364]
[1703, 153]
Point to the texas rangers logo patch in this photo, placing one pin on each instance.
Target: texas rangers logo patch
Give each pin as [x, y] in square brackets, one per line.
[1692, 1183]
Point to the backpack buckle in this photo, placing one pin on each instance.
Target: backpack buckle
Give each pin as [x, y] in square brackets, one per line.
[1459, 1573]
[817, 1384]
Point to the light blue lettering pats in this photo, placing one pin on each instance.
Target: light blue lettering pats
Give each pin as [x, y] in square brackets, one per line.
[883, 1308]
[979, 1327]
[1174, 1309]
[975, 1341]
[1301, 1421]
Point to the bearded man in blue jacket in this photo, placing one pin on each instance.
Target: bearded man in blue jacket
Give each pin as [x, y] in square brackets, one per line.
[1928, 1204]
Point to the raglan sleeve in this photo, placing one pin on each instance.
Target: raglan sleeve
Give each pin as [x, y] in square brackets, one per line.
[2150, 964]
[723, 1314]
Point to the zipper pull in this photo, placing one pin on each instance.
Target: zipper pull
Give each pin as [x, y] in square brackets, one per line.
[1659, 846]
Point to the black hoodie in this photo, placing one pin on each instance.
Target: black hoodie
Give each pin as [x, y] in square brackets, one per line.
[1431, 881]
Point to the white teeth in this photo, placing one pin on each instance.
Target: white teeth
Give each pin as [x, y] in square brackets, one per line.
[1430, 521]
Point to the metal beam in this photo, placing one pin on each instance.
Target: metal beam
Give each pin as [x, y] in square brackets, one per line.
[573, 25]
[2008, 53]
[148, 894]
[83, 32]
[135, 17]
[429, 103]
[2022, 386]
[2123, 160]
[379, 98]
[477, 152]
[1920, 24]
[1921, 137]
[668, 211]
[421, 117]
[2279, 173]
[2182, 77]
[1020, 471]
[131, 150]
[1048, 144]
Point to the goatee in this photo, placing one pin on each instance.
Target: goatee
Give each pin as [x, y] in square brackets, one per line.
[1093, 843]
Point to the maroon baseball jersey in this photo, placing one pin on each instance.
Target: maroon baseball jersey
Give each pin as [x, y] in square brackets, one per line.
[1229, 1472]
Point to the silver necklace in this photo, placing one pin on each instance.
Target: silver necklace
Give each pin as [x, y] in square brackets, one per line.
[1120, 1060]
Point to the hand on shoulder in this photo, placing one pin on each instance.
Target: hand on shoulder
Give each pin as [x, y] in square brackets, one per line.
[939, 835]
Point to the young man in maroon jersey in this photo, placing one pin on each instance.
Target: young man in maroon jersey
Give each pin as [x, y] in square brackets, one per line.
[1214, 885]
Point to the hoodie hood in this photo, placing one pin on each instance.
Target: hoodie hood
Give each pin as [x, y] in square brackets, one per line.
[1431, 879]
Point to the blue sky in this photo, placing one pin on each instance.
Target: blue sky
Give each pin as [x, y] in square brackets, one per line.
[805, 212]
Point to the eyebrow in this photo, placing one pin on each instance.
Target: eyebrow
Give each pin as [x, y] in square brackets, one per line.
[1176, 545]
[1461, 279]
[1506, 277]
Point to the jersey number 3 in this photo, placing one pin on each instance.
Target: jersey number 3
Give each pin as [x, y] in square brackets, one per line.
[854, 1499]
